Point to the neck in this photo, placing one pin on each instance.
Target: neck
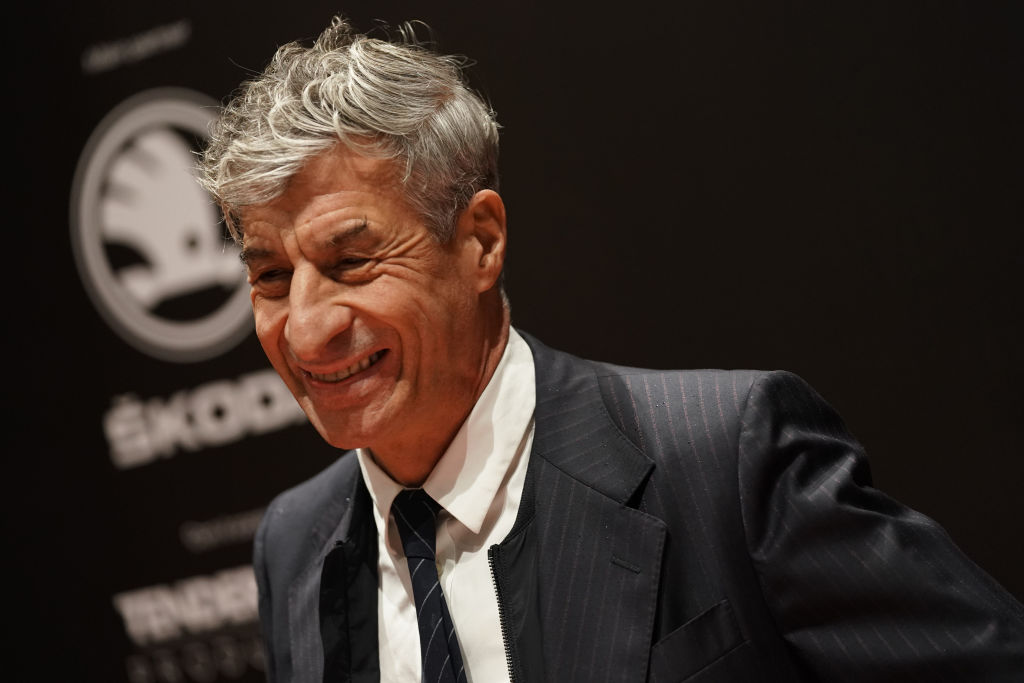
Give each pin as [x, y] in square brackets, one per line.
[411, 464]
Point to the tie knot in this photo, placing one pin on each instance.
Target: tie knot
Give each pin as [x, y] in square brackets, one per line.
[416, 518]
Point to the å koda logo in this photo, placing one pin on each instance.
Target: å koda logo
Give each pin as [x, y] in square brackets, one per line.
[149, 241]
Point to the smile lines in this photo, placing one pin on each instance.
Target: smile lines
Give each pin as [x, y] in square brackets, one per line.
[350, 370]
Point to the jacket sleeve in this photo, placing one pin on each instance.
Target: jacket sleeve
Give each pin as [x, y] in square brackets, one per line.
[861, 587]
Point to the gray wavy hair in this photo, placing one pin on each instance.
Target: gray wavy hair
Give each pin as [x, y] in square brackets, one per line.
[393, 100]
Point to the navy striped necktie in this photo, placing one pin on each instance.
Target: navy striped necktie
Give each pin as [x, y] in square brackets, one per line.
[416, 516]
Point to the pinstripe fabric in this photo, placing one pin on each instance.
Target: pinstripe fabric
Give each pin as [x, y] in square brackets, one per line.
[694, 526]
[416, 518]
[778, 561]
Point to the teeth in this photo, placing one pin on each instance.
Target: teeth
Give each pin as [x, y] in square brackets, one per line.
[350, 370]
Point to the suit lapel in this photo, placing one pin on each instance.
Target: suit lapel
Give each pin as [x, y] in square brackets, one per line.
[599, 557]
[332, 602]
[348, 598]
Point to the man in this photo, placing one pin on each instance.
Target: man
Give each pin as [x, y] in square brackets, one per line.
[553, 519]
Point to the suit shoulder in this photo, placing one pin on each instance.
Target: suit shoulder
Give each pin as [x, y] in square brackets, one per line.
[741, 376]
[647, 403]
[784, 398]
[646, 385]
[724, 388]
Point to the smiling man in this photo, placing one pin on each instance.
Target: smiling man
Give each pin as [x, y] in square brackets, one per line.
[507, 512]
[384, 334]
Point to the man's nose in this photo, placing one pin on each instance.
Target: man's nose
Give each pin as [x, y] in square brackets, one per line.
[316, 313]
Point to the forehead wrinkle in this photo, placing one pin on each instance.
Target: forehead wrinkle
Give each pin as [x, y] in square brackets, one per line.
[318, 183]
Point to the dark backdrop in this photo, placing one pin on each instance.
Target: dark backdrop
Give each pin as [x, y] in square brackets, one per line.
[830, 190]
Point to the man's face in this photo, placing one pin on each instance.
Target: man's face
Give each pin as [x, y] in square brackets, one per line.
[375, 327]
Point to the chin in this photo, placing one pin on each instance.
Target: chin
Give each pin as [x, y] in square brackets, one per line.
[343, 437]
[336, 437]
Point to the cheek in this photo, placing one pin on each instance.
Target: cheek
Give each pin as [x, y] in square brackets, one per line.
[269, 322]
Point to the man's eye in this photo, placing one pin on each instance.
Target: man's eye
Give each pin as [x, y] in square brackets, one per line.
[352, 269]
[272, 283]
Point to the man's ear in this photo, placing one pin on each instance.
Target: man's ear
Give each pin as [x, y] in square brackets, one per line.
[481, 232]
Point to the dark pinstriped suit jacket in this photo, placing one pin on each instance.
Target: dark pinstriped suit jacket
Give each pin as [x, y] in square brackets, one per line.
[690, 526]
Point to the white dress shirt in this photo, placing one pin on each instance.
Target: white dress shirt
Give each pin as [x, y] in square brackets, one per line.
[479, 482]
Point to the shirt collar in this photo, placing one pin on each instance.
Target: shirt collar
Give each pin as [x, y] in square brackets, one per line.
[472, 469]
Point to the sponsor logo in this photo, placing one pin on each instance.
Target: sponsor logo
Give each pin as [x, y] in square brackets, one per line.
[192, 606]
[148, 240]
[216, 413]
[204, 659]
[202, 628]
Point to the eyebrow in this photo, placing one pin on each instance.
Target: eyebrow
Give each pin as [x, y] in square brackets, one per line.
[250, 254]
[341, 236]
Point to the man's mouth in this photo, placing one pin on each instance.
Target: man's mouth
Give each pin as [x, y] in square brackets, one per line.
[350, 370]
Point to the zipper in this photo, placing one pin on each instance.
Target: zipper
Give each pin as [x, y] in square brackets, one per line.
[498, 577]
